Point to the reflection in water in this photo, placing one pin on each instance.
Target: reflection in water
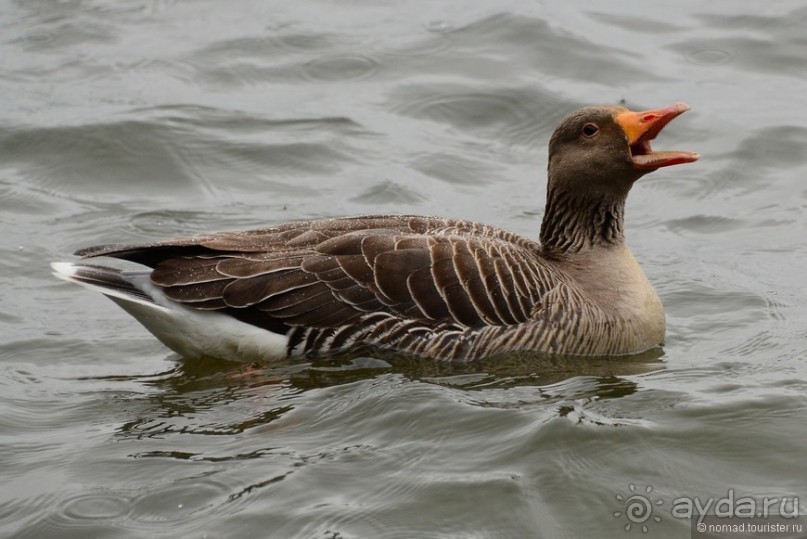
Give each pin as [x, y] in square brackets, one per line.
[227, 435]
[511, 370]
[214, 398]
[199, 397]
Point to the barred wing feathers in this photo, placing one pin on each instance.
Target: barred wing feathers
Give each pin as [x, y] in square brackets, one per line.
[435, 273]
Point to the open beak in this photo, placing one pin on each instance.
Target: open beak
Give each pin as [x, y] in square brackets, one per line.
[642, 127]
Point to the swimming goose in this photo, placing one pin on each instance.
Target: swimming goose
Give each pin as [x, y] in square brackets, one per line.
[433, 287]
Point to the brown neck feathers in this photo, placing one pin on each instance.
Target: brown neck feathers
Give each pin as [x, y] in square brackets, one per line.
[572, 223]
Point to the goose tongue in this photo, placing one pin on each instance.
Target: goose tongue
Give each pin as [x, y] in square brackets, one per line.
[642, 127]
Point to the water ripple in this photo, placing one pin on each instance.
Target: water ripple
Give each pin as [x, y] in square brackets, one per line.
[747, 53]
[389, 192]
[517, 115]
[341, 67]
[419, 45]
[710, 57]
[127, 121]
[284, 57]
[760, 153]
[762, 43]
[313, 41]
[65, 34]
[104, 505]
[700, 308]
[179, 503]
[637, 24]
[180, 150]
[706, 224]
[552, 51]
[161, 223]
[454, 169]
[126, 155]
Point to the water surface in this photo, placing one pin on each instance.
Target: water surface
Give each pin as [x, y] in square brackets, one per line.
[130, 121]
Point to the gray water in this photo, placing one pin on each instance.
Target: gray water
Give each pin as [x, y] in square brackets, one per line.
[129, 120]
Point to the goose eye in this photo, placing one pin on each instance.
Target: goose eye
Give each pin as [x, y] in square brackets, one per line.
[590, 129]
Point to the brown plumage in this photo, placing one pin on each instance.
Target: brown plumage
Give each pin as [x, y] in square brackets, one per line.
[435, 287]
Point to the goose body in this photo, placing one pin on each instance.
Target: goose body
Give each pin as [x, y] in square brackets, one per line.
[429, 286]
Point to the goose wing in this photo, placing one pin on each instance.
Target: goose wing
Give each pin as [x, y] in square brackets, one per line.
[329, 273]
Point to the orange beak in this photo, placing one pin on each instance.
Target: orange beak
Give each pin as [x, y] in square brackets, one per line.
[642, 127]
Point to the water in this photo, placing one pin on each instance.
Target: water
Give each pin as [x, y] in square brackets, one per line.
[130, 121]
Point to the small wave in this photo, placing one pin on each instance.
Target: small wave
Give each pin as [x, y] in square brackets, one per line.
[517, 115]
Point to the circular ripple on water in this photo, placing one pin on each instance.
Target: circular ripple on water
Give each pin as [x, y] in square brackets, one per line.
[312, 42]
[462, 109]
[710, 57]
[107, 506]
[178, 503]
[340, 67]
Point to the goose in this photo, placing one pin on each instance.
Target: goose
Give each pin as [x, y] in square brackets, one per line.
[431, 287]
